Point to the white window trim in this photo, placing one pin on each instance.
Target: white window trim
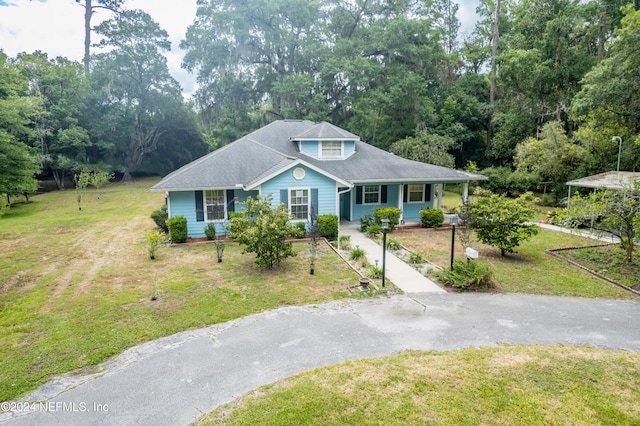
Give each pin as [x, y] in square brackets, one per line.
[409, 194]
[290, 204]
[364, 197]
[205, 204]
[333, 157]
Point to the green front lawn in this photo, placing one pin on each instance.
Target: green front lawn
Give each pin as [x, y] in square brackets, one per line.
[75, 286]
[530, 270]
[514, 385]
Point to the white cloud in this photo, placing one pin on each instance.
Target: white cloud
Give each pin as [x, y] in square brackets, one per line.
[57, 28]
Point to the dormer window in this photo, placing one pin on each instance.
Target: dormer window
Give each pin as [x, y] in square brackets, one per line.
[331, 149]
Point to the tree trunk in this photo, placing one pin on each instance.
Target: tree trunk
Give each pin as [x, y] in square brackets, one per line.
[602, 35]
[88, 12]
[492, 89]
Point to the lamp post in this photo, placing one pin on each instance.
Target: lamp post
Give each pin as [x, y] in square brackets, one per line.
[385, 228]
[619, 139]
[454, 222]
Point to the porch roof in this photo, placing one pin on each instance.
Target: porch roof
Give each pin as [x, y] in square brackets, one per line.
[607, 180]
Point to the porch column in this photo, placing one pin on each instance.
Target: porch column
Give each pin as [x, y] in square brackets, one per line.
[440, 187]
[400, 201]
[465, 192]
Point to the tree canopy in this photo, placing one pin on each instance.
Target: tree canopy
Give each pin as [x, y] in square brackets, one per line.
[537, 89]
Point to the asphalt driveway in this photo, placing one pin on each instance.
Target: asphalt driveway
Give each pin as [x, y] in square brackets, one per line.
[172, 381]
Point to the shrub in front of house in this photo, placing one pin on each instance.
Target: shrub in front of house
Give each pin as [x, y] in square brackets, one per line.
[178, 232]
[356, 254]
[299, 230]
[210, 231]
[366, 221]
[431, 218]
[160, 217]
[469, 275]
[328, 226]
[391, 213]
[374, 230]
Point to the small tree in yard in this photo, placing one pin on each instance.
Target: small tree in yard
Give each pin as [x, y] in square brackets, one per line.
[81, 180]
[263, 230]
[616, 212]
[99, 180]
[503, 222]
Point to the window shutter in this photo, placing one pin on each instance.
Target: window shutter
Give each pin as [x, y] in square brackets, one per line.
[314, 200]
[199, 207]
[405, 193]
[358, 194]
[231, 205]
[427, 192]
[383, 194]
[284, 197]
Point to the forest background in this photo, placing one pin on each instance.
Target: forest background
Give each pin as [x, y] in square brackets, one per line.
[532, 98]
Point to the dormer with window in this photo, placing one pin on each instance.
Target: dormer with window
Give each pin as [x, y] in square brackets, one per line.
[326, 142]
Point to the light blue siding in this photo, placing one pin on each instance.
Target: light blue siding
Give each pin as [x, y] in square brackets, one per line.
[183, 203]
[349, 147]
[394, 199]
[310, 148]
[359, 210]
[327, 190]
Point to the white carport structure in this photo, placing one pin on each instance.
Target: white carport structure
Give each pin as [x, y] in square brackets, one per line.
[607, 180]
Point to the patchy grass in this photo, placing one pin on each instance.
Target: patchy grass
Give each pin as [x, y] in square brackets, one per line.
[534, 385]
[609, 260]
[75, 286]
[530, 270]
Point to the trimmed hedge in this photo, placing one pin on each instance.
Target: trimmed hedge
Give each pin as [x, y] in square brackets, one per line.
[328, 226]
[160, 218]
[178, 232]
[431, 218]
[391, 213]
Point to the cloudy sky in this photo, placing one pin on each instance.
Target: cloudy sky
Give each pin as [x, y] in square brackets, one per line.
[57, 27]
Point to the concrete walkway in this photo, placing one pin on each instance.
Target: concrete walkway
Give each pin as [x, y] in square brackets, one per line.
[605, 238]
[174, 380]
[400, 273]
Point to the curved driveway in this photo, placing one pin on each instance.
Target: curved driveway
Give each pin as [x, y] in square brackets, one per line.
[172, 381]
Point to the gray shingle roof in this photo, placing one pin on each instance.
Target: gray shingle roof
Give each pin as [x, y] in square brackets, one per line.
[271, 148]
[325, 130]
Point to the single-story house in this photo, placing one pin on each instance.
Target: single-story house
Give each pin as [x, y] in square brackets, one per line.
[307, 166]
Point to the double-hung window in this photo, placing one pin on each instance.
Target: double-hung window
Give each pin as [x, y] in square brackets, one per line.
[299, 203]
[331, 149]
[415, 193]
[215, 205]
[371, 194]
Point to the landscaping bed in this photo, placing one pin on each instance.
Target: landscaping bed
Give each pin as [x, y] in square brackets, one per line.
[531, 270]
[606, 261]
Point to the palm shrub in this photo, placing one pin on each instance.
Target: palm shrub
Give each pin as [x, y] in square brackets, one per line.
[393, 244]
[374, 230]
[374, 272]
[431, 218]
[366, 221]
[345, 242]
[468, 275]
[178, 232]
[357, 253]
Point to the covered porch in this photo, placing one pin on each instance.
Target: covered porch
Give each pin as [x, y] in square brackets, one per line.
[410, 197]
